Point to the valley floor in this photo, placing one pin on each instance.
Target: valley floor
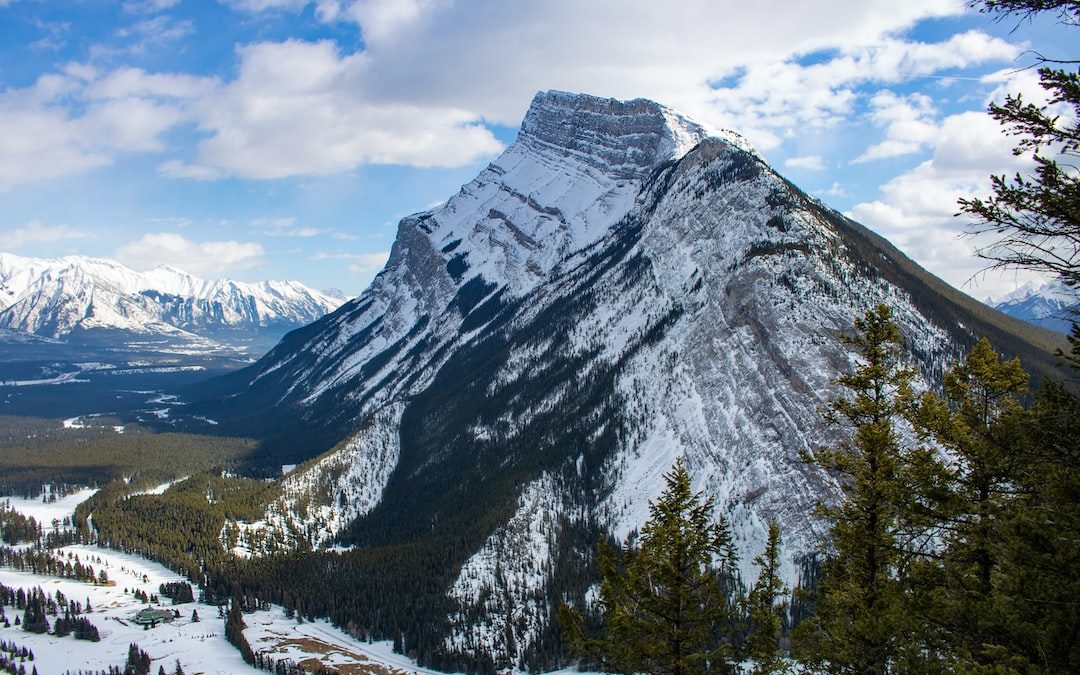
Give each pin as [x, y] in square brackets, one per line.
[200, 646]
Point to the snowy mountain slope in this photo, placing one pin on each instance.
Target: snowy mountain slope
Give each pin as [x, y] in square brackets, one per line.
[1051, 305]
[618, 289]
[54, 298]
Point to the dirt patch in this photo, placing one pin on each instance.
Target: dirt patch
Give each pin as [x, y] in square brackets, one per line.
[355, 664]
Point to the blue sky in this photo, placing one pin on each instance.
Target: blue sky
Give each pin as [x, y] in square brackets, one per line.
[284, 138]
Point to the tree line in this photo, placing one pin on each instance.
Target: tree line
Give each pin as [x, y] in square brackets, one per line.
[955, 548]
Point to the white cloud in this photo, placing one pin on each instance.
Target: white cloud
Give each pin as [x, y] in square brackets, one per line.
[368, 265]
[207, 258]
[35, 232]
[300, 108]
[808, 162]
[283, 227]
[908, 122]
[125, 82]
[158, 30]
[175, 168]
[77, 119]
[148, 6]
[381, 20]
[834, 190]
[304, 108]
[782, 97]
[916, 210]
[362, 265]
[433, 72]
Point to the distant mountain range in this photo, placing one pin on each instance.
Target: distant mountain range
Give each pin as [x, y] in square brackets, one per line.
[76, 298]
[1051, 305]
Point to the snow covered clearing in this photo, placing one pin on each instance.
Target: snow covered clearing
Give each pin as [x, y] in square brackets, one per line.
[62, 378]
[200, 645]
[46, 512]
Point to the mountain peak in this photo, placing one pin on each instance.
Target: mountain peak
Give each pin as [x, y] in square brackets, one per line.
[623, 138]
[165, 267]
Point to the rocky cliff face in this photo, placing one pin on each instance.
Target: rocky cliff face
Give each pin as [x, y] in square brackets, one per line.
[621, 287]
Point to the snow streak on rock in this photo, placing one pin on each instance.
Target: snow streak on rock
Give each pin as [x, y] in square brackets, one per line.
[318, 500]
[501, 591]
[620, 288]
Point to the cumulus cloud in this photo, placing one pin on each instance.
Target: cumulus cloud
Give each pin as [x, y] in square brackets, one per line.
[431, 74]
[207, 258]
[908, 122]
[808, 162]
[299, 108]
[770, 100]
[381, 20]
[124, 111]
[916, 210]
[413, 95]
[35, 232]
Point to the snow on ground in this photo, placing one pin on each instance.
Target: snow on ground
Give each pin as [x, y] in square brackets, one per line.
[46, 512]
[200, 646]
[320, 644]
[62, 378]
[80, 422]
[158, 489]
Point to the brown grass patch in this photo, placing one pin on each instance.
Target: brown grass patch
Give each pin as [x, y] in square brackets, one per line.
[360, 664]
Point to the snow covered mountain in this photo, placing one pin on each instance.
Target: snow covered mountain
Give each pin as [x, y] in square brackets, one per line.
[1051, 305]
[621, 287]
[58, 297]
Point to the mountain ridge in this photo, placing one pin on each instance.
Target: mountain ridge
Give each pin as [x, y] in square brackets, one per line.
[541, 347]
[58, 297]
[1050, 304]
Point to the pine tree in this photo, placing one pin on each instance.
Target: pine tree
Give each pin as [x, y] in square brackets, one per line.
[138, 661]
[860, 622]
[1038, 586]
[982, 426]
[1037, 220]
[1034, 220]
[765, 618]
[665, 606]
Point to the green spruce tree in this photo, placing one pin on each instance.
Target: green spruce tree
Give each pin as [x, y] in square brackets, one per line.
[982, 427]
[666, 605]
[766, 623]
[1037, 589]
[860, 624]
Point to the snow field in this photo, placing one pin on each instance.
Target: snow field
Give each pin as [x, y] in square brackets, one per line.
[200, 646]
